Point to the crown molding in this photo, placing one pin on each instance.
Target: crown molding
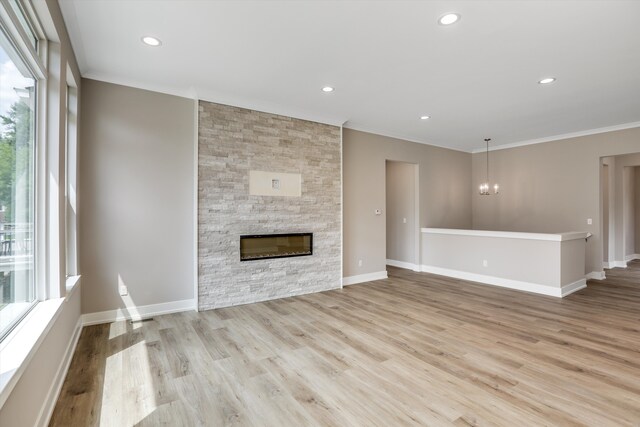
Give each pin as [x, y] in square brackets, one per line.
[192, 93]
[367, 129]
[186, 93]
[560, 137]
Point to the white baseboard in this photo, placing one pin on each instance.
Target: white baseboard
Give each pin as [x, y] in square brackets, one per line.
[632, 257]
[402, 264]
[49, 404]
[573, 287]
[607, 265]
[361, 278]
[508, 283]
[619, 264]
[138, 312]
[596, 275]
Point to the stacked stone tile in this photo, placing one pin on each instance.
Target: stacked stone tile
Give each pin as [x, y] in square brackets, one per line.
[231, 142]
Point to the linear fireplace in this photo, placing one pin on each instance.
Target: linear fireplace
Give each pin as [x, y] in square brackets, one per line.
[267, 246]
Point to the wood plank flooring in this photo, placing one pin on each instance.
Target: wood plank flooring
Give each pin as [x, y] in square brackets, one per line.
[416, 349]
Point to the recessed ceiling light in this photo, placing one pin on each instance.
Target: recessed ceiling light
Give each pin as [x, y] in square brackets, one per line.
[327, 89]
[425, 117]
[151, 41]
[449, 18]
[547, 80]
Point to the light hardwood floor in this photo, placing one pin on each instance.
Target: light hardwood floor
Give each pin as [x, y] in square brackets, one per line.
[416, 349]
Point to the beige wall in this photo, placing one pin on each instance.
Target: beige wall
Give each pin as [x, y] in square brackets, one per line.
[550, 187]
[402, 230]
[637, 209]
[507, 258]
[628, 188]
[608, 206]
[137, 175]
[445, 177]
[466, 253]
[624, 234]
[605, 182]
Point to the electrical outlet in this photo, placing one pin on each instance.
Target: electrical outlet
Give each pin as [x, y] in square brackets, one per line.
[589, 221]
[485, 263]
[404, 220]
[123, 290]
[359, 263]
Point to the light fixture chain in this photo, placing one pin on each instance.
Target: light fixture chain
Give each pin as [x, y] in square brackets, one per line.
[486, 140]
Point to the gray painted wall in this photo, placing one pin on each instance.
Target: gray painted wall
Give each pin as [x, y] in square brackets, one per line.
[402, 230]
[137, 174]
[550, 187]
[445, 178]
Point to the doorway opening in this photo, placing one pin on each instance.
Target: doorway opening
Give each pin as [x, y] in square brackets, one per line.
[620, 201]
[403, 215]
[607, 191]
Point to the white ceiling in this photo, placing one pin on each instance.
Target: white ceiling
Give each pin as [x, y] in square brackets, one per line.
[389, 61]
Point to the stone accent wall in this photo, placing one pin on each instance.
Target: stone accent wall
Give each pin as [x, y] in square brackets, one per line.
[231, 142]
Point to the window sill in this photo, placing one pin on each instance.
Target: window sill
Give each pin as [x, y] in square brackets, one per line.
[71, 285]
[13, 311]
[19, 347]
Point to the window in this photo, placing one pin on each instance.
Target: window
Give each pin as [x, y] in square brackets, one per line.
[17, 187]
[21, 14]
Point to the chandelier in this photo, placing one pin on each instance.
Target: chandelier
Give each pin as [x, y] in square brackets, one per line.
[484, 187]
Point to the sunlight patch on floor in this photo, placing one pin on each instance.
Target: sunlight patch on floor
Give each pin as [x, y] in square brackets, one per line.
[127, 376]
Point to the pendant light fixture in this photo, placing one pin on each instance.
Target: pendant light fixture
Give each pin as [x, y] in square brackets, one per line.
[484, 187]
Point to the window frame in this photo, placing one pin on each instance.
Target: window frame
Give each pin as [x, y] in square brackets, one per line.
[33, 58]
[71, 175]
[13, 30]
[27, 18]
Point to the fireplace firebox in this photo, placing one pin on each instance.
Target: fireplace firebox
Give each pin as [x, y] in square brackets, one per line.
[267, 246]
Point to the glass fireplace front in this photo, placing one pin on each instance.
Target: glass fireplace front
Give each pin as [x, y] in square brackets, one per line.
[266, 246]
